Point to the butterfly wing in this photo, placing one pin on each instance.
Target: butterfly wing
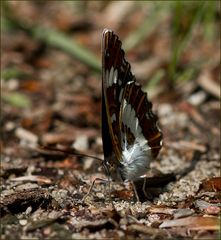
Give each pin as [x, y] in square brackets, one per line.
[115, 75]
[127, 115]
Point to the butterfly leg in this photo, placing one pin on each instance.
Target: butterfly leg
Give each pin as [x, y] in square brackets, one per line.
[109, 189]
[107, 171]
[135, 191]
[91, 187]
[144, 187]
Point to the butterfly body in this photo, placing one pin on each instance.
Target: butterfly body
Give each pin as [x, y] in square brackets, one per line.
[131, 137]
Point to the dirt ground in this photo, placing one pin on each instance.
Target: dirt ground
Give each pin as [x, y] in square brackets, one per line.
[51, 96]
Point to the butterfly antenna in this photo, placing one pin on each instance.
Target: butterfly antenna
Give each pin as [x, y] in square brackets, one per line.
[71, 152]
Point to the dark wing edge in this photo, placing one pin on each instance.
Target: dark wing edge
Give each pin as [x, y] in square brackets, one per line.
[109, 104]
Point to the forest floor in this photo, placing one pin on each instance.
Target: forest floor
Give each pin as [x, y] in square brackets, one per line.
[52, 98]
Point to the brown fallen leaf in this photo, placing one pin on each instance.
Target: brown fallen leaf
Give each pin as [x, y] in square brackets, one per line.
[38, 121]
[93, 225]
[208, 208]
[54, 138]
[193, 113]
[188, 145]
[26, 136]
[32, 178]
[8, 169]
[202, 205]
[32, 85]
[19, 201]
[193, 223]
[212, 184]
[68, 163]
[212, 210]
[207, 82]
[177, 213]
[164, 210]
[147, 230]
[46, 219]
[123, 194]
[66, 136]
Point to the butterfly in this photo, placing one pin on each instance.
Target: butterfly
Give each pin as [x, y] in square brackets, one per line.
[130, 133]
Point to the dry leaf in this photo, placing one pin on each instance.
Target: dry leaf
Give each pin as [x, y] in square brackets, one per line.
[194, 223]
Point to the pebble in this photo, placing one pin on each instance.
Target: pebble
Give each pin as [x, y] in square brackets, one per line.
[23, 222]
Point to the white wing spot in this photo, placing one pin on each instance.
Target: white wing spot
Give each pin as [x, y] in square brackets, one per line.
[129, 118]
[132, 119]
[110, 80]
[124, 111]
[113, 118]
[128, 112]
[135, 157]
[115, 76]
[121, 94]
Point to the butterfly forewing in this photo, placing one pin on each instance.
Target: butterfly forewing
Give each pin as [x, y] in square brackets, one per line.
[115, 74]
[127, 115]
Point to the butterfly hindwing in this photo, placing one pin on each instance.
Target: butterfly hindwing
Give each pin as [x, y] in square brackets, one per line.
[142, 122]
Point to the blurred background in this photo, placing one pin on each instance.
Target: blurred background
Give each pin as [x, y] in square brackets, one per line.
[51, 56]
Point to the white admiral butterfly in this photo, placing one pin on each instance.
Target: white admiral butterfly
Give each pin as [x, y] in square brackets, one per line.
[131, 137]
